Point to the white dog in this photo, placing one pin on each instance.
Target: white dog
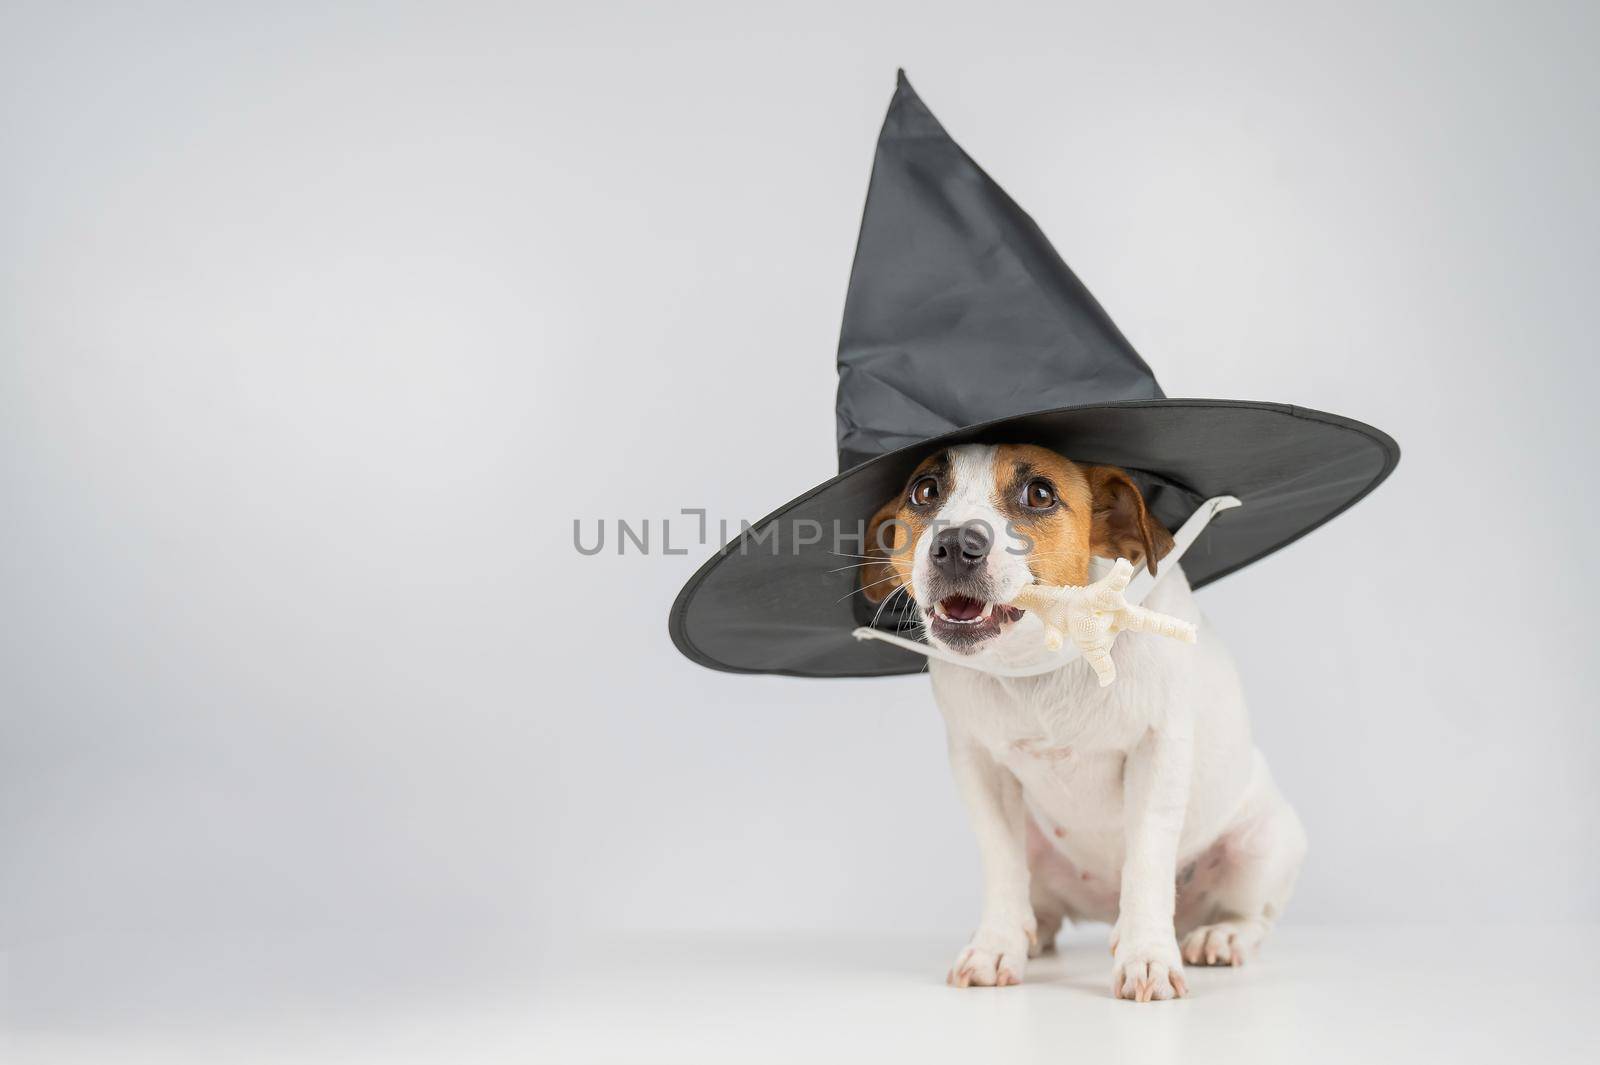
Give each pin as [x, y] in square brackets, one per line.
[1143, 804]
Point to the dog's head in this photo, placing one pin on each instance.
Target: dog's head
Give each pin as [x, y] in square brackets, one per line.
[975, 523]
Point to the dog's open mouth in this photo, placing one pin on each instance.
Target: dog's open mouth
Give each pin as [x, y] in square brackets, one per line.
[963, 621]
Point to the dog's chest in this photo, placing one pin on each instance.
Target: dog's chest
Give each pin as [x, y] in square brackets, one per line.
[1066, 739]
[1061, 729]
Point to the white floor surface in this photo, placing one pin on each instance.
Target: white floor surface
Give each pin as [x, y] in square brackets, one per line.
[1489, 994]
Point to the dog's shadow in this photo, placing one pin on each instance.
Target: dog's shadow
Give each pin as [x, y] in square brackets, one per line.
[1080, 962]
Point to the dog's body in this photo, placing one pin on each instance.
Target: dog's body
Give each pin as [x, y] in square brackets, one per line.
[1144, 803]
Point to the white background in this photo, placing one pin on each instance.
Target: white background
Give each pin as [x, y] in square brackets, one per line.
[319, 326]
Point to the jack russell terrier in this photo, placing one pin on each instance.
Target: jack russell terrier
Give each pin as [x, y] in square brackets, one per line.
[1143, 804]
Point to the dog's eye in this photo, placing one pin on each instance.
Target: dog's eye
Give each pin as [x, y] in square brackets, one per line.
[1038, 495]
[925, 491]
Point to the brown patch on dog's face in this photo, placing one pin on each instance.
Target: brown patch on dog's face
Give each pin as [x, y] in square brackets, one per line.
[894, 529]
[1047, 501]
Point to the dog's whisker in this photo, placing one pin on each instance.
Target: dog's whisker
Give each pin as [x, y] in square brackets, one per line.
[853, 565]
[879, 612]
[866, 587]
[887, 600]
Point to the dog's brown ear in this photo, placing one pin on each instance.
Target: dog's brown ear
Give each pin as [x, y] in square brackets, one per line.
[1122, 527]
[878, 578]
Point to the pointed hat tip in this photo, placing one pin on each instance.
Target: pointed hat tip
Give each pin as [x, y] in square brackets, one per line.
[904, 93]
[908, 115]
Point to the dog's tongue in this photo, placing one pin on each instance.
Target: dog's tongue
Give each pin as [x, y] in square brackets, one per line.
[961, 607]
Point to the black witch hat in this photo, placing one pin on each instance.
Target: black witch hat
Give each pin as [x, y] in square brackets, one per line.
[962, 324]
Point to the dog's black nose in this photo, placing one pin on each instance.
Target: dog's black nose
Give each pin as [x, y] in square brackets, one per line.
[955, 551]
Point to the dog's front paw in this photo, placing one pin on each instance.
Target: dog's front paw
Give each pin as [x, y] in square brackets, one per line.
[1146, 968]
[996, 957]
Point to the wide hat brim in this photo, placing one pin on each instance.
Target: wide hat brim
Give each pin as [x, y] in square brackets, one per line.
[781, 599]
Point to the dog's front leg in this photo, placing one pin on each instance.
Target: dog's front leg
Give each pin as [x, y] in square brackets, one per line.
[1155, 793]
[998, 952]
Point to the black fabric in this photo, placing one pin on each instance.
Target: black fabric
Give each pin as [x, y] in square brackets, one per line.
[962, 325]
[959, 310]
